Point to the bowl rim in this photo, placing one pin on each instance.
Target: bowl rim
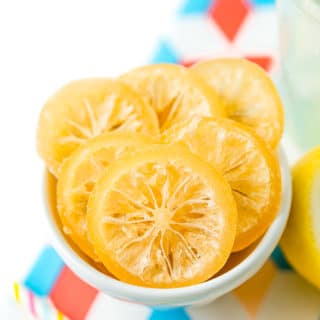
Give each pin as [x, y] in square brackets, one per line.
[157, 296]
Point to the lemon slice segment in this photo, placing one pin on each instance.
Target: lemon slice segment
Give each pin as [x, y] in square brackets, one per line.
[79, 175]
[84, 109]
[163, 218]
[250, 168]
[248, 94]
[174, 92]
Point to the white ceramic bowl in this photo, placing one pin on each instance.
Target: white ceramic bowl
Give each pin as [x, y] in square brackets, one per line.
[251, 261]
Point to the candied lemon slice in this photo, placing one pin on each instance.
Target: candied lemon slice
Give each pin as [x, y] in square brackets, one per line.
[248, 93]
[84, 109]
[80, 173]
[174, 92]
[162, 218]
[250, 168]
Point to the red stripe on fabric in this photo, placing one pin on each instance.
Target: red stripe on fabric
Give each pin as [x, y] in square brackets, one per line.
[72, 296]
[188, 63]
[263, 61]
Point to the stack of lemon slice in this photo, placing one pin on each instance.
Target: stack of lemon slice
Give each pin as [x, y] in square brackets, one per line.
[165, 171]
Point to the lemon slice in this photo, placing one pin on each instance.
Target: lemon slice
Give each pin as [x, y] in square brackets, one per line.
[162, 218]
[174, 92]
[301, 239]
[251, 170]
[84, 109]
[248, 94]
[80, 173]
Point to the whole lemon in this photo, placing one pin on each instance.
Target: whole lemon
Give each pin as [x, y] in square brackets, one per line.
[301, 239]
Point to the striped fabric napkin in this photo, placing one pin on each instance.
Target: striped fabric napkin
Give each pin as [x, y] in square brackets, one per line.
[51, 291]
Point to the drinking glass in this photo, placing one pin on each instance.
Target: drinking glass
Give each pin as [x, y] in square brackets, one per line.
[299, 81]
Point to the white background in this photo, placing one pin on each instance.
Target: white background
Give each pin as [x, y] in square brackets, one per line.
[44, 44]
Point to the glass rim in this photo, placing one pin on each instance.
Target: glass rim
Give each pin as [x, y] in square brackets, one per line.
[301, 5]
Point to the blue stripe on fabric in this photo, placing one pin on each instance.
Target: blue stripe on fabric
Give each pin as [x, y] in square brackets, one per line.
[263, 2]
[169, 314]
[195, 6]
[165, 53]
[279, 259]
[44, 272]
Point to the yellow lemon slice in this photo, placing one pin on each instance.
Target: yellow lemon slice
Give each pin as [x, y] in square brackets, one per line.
[174, 92]
[301, 239]
[78, 176]
[251, 170]
[248, 93]
[84, 109]
[162, 218]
